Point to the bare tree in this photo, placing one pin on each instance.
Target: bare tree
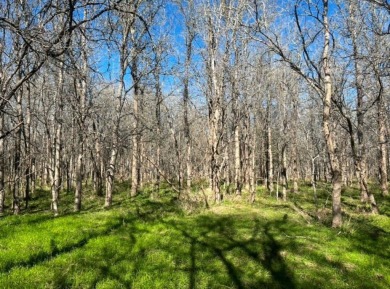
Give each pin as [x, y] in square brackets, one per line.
[81, 94]
[318, 74]
[190, 34]
[125, 23]
[215, 82]
[2, 165]
[57, 141]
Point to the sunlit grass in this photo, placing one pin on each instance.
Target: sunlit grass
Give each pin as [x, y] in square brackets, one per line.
[151, 243]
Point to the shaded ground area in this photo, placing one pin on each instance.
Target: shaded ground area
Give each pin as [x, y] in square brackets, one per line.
[151, 243]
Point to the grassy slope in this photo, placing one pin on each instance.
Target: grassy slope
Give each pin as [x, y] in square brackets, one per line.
[146, 243]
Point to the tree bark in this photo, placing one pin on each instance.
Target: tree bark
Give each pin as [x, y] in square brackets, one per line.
[17, 157]
[215, 112]
[27, 147]
[57, 143]
[82, 115]
[110, 175]
[295, 144]
[81, 121]
[237, 150]
[283, 172]
[97, 162]
[329, 134]
[2, 164]
[383, 153]
[159, 101]
[270, 169]
[136, 133]
[56, 183]
[253, 164]
[359, 151]
[186, 100]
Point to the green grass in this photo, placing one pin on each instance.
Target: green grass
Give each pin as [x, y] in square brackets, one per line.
[150, 243]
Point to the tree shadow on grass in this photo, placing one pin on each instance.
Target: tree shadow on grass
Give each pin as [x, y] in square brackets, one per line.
[370, 239]
[214, 236]
[250, 252]
[55, 251]
[196, 242]
[101, 262]
[218, 236]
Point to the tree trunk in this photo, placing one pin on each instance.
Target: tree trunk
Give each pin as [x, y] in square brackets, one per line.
[81, 120]
[190, 36]
[270, 186]
[383, 153]
[187, 129]
[97, 163]
[283, 173]
[111, 170]
[238, 179]
[237, 156]
[27, 147]
[215, 112]
[55, 189]
[314, 180]
[295, 145]
[214, 163]
[57, 143]
[124, 63]
[2, 164]
[159, 101]
[79, 175]
[17, 157]
[80, 148]
[110, 175]
[358, 151]
[329, 134]
[136, 137]
[177, 153]
[253, 165]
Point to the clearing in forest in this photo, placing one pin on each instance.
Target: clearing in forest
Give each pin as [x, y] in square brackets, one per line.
[149, 242]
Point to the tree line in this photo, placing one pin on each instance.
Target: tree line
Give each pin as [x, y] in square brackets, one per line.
[229, 94]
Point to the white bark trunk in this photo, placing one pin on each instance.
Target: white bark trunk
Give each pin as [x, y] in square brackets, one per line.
[329, 134]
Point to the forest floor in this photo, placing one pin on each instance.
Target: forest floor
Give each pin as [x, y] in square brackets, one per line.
[150, 242]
